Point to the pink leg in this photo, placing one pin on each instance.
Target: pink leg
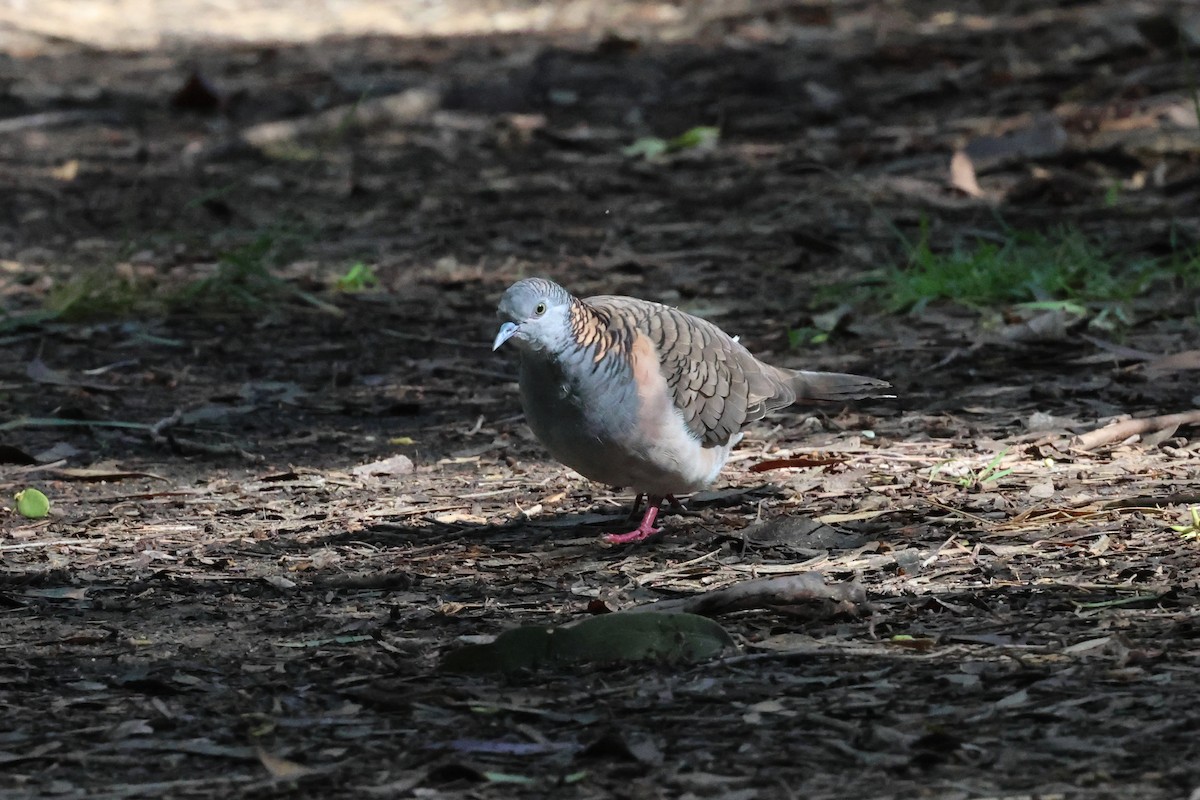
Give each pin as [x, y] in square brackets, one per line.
[643, 531]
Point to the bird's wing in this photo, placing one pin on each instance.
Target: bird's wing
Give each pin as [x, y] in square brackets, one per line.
[715, 382]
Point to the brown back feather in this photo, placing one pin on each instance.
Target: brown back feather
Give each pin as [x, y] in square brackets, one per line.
[715, 381]
[717, 384]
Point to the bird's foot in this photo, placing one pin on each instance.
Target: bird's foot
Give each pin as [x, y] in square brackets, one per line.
[678, 507]
[643, 531]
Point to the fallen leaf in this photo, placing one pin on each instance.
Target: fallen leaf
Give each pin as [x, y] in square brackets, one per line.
[282, 768]
[962, 175]
[506, 777]
[279, 582]
[396, 465]
[67, 171]
[130, 727]
[1017, 698]
[39, 372]
[1176, 362]
[59, 593]
[102, 474]
[795, 463]
[830, 519]
[1042, 490]
[457, 517]
[56, 452]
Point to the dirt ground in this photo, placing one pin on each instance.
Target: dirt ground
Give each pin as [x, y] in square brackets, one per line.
[227, 599]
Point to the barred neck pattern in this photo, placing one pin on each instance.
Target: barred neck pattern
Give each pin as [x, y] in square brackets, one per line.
[597, 331]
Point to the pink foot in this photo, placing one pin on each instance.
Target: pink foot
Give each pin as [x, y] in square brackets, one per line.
[643, 531]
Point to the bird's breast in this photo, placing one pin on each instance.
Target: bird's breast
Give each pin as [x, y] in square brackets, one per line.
[614, 420]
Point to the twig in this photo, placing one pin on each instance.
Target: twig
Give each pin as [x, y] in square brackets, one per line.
[215, 449]
[1119, 431]
[54, 119]
[4, 548]
[156, 430]
[761, 593]
[182, 445]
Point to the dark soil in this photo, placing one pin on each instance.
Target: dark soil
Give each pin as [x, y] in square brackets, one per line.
[221, 604]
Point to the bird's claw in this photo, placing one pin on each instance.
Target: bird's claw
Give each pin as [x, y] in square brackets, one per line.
[640, 534]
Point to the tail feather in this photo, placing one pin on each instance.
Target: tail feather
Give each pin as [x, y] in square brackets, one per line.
[835, 386]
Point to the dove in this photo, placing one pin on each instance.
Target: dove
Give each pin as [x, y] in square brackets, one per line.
[635, 393]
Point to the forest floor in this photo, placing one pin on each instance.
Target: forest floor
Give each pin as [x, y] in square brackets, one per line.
[240, 589]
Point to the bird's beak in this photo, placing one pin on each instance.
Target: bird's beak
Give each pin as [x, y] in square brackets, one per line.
[506, 332]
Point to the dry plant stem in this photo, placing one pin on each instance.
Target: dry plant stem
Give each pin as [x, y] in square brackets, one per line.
[182, 445]
[761, 593]
[55, 119]
[1120, 431]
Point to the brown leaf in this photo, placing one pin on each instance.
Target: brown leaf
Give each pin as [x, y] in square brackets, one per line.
[282, 768]
[101, 473]
[962, 175]
[794, 463]
[1176, 362]
[396, 465]
[1042, 490]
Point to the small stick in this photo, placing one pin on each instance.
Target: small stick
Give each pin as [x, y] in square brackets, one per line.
[1119, 431]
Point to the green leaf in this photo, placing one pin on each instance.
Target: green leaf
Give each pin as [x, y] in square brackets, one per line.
[646, 147]
[801, 337]
[1065, 306]
[506, 777]
[357, 278]
[1191, 531]
[32, 504]
[700, 136]
[612, 638]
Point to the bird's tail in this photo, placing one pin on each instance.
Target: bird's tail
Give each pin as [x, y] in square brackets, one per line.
[836, 386]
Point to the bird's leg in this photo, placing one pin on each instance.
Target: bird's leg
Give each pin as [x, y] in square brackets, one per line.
[679, 508]
[637, 505]
[643, 531]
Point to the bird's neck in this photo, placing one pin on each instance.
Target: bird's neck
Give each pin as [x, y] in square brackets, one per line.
[596, 332]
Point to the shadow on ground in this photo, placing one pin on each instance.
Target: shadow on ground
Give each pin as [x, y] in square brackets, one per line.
[223, 601]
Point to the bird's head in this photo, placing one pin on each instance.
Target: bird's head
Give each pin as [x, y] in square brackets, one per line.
[534, 313]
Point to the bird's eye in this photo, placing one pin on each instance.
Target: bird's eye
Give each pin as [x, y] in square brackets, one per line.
[540, 309]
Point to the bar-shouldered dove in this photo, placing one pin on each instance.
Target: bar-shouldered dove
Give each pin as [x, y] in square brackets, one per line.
[633, 393]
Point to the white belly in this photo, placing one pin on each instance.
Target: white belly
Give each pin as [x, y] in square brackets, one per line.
[616, 438]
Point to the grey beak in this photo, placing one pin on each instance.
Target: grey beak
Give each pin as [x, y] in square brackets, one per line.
[506, 332]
